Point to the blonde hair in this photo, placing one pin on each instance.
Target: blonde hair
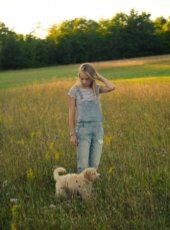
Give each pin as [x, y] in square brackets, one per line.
[90, 71]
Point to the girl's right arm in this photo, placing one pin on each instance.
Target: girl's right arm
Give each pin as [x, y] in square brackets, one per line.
[71, 119]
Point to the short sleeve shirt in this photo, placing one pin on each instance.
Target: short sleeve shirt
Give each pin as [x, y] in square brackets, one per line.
[86, 92]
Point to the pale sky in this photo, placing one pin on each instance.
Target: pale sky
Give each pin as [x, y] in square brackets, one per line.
[23, 16]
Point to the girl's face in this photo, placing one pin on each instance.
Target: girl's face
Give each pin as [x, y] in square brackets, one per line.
[85, 80]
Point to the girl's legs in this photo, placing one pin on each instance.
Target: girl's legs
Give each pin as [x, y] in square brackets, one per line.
[89, 148]
[96, 147]
[83, 147]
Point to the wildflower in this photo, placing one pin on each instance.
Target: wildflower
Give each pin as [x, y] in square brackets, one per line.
[30, 174]
[107, 140]
[52, 206]
[35, 134]
[110, 170]
[13, 200]
[32, 134]
[5, 183]
[47, 156]
[14, 211]
[56, 155]
[21, 142]
[13, 227]
[51, 146]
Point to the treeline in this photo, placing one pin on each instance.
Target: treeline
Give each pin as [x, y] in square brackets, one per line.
[81, 40]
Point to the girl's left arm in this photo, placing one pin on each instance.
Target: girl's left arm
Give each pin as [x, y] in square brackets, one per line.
[109, 86]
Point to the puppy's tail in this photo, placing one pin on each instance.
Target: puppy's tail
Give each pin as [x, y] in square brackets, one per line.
[57, 171]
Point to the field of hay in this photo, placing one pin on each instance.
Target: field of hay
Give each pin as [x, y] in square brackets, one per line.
[134, 190]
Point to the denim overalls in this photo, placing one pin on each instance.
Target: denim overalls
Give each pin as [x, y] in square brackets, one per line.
[89, 131]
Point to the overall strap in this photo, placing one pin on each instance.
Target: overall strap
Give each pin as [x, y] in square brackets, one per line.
[97, 89]
[80, 93]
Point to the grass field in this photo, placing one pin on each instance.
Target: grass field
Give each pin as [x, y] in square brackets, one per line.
[134, 191]
[157, 66]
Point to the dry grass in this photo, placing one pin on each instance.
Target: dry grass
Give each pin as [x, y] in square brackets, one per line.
[133, 61]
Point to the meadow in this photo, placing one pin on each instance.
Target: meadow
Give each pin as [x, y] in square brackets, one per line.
[134, 189]
[154, 66]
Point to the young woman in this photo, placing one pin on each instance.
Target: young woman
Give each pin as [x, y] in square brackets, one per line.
[85, 116]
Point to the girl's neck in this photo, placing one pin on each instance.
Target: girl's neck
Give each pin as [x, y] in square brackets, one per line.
[85, 87]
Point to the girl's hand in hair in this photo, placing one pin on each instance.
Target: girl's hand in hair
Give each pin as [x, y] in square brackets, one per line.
[98, 76]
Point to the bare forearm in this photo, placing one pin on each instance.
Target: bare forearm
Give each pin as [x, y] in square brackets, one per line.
[71, 121]
[107, 82]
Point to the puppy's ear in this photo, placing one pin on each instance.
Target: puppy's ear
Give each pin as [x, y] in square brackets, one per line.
[98, 175]
[87, 175]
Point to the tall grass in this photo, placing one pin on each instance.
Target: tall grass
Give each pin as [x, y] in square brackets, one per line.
[134, 190]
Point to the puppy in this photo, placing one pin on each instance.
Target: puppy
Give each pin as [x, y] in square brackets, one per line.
[74, 184]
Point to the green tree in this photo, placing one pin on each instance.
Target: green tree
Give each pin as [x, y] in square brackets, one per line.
[162, 28]
[77, 40]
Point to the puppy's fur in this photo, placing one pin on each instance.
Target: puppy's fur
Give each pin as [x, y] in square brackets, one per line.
[74, 184]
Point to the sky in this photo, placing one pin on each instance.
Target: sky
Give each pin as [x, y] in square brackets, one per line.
[26, 16]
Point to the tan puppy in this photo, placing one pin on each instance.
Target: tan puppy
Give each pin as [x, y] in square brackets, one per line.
[74, 184]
